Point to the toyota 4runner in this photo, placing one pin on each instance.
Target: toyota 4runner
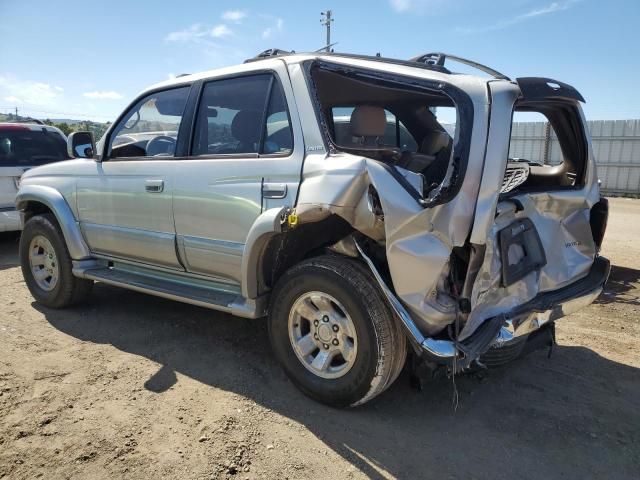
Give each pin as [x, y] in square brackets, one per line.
[370, 207]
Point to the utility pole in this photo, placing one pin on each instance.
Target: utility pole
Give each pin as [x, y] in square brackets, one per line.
[326, 21]
[16, 113]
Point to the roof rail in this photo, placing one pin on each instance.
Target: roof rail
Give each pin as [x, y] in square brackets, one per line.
[438, 59]
[271, 52]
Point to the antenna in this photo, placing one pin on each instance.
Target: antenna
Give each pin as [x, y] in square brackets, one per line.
[326, 21]
[326, 47]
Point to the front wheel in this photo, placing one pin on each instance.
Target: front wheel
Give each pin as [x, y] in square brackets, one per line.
[47, 266]
[333, 331]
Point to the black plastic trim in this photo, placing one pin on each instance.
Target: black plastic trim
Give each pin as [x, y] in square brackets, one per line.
[523, 233]
[540, 88]
[599, 217]
[183, 145]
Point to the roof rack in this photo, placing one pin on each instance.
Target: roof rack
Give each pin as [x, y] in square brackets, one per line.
[438, 60]
[432, 61]
[271, 52]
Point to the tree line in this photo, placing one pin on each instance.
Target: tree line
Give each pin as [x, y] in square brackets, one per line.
[96, 128]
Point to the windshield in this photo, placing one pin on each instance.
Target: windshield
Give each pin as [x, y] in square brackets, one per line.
[30, 148]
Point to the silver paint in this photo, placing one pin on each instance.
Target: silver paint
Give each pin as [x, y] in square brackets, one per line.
[562, 220]
[217, 215]
[54, 200]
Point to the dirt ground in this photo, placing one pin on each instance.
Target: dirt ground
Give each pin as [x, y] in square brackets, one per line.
[132, 386]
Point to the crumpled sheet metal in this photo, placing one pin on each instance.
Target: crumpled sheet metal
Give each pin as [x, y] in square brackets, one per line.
[504, 96]
[561, 218]
[418, 240]
[417, 249]
[562, 221]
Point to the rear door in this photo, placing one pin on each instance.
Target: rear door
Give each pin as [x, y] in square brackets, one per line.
[125, 206]
[243, 161]
[537, 192]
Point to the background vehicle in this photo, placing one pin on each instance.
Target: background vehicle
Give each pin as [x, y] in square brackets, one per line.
[24, 146]
[244, 190]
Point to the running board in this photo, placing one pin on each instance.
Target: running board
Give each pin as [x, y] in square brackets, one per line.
[176, 288]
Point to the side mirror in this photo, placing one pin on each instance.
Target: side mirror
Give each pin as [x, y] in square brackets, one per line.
[81, 145]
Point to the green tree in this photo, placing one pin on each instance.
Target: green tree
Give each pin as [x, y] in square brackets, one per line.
[65, 127]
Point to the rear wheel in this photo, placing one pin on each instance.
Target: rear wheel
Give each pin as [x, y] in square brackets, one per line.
[332, 330]
[47, 266]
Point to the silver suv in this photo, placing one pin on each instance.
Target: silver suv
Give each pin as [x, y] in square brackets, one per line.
[370, 207]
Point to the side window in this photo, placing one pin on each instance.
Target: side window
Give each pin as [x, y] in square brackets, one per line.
[150, 128]
[242, 115]
[395, 134]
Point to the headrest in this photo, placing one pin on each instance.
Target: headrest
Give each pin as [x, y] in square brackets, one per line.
[245, 126]
[368, 121]
[434, 141]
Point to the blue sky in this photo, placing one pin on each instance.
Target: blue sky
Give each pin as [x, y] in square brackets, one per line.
[79, 59]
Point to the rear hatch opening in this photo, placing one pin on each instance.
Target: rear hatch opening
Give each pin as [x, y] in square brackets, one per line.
[554, 157]
[549, 219]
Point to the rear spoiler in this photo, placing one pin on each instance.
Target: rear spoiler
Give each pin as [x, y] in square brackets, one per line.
[538, 88]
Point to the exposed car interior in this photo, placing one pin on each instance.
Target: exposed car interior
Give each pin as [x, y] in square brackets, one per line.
[390, 124]
[562, 161]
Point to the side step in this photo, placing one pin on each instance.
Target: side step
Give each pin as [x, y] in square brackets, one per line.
[177, 288]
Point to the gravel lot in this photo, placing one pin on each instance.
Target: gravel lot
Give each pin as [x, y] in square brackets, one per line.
[132, 386]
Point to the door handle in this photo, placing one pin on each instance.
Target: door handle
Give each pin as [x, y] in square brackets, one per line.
[274, 190]
[154, 186]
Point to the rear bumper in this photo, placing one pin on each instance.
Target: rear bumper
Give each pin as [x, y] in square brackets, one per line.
[506, 329]
[549, 306]
[531, 316]
[9, 220]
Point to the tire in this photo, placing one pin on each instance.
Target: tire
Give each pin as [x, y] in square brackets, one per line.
[378, 351]
[67, 289]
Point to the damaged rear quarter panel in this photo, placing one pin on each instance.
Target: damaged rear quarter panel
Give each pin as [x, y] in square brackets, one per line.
[418, 240]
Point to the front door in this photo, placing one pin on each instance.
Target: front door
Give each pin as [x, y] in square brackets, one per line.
[125, 207]
[243, 161]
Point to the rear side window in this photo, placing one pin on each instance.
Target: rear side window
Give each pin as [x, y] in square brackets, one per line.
[245, 115]
[150, 128]
[25, 147]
